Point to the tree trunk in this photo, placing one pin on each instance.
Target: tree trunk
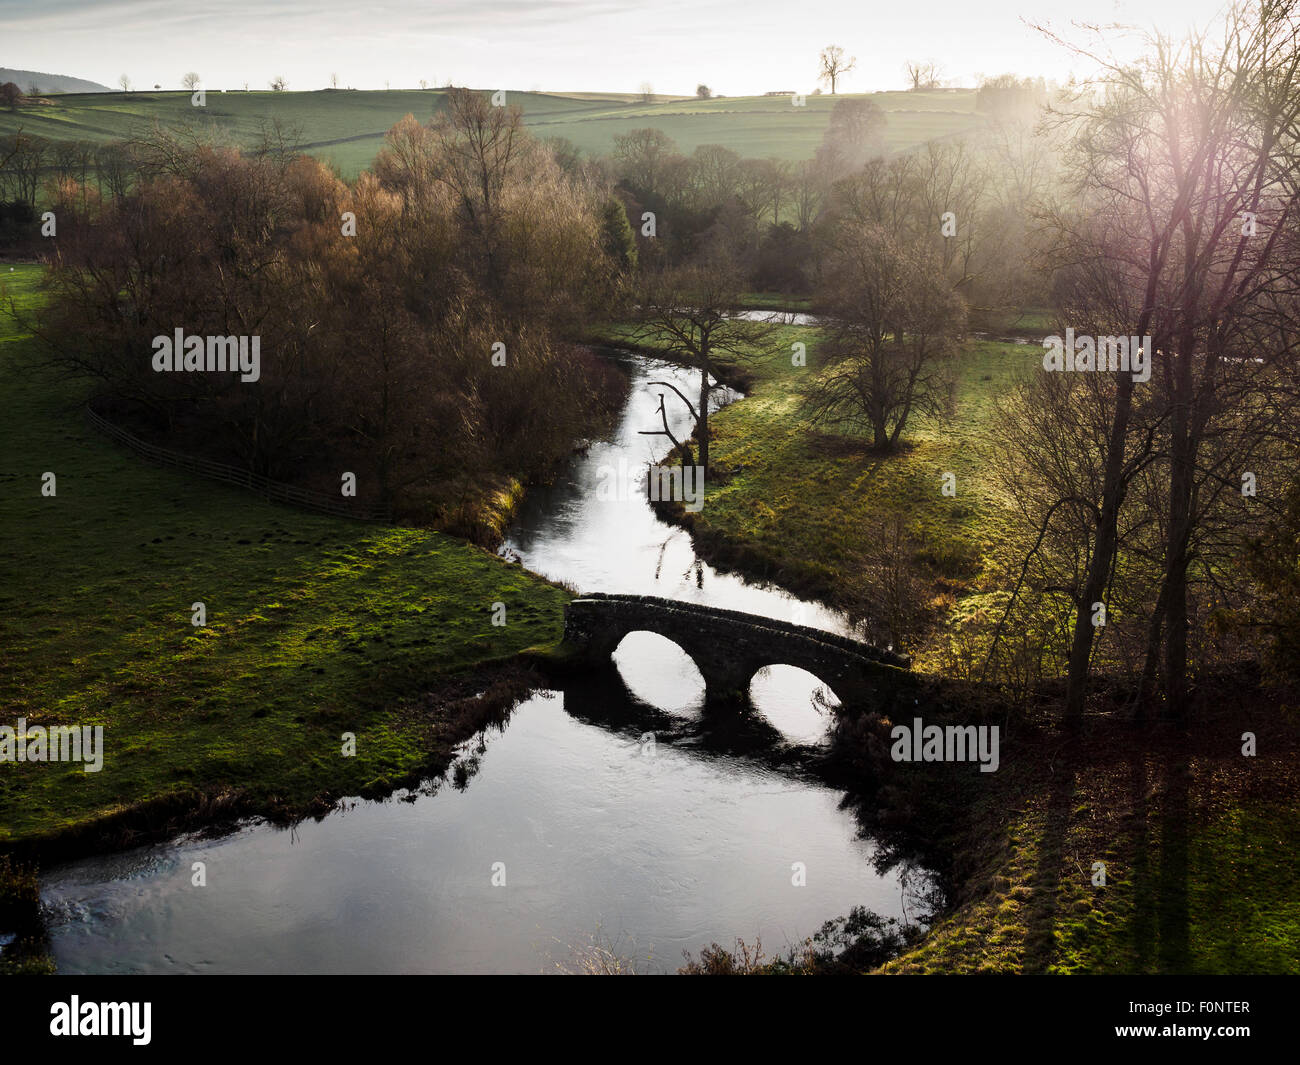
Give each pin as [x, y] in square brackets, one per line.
[1103, 556]
[1155, 630]
[1181, 485]
[702, 425]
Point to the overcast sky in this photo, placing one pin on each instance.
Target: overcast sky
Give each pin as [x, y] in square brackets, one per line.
[738, 47]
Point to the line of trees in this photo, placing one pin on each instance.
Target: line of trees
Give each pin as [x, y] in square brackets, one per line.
[1157, 524]
[761, 206]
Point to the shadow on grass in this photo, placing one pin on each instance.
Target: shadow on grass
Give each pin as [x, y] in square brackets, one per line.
[1160, 921]
[1041, 917]
[1174, 950]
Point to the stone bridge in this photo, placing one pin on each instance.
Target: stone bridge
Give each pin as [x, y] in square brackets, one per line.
[729, 647]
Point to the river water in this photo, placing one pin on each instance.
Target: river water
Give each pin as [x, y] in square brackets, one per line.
[615, 818]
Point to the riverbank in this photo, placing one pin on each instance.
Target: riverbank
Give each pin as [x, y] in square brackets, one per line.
[775, 301]
[312, 627]
[1198, 840]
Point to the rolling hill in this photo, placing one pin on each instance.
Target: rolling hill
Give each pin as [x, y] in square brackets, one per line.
[43, 82]
[347, 127]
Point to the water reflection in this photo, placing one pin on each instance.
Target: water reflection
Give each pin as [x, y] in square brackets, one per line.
[665, 829]
[567, 532]
[780, 317]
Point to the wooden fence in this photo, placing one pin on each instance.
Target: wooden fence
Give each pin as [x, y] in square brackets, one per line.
[276, 491]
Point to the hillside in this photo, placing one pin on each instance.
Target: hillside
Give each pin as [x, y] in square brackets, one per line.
[347, 127]
[43, 82]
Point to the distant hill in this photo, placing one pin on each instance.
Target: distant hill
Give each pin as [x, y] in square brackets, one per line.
[25, 79]
[348, 127]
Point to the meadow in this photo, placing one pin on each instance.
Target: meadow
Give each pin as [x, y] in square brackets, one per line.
[347, 127]
[316, 625]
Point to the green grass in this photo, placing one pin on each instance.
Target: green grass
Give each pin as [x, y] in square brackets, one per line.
[347, 128]
[1029, 322]
[775, 301]
[795, 482]
[315, 625]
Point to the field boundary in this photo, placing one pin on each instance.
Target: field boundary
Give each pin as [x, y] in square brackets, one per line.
[276, 491]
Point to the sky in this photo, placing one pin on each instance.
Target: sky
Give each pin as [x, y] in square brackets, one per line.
[737, 47]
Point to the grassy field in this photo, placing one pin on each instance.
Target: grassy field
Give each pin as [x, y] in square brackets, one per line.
[775, 301]
[787, 483]
[347, 127]
[315, 626]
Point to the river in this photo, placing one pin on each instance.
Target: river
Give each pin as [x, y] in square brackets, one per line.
[616, 815]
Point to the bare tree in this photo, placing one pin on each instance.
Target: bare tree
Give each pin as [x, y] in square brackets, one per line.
[922, 75]
[191, 80]
[278, 84]
[641, 155]
[757, 186]
[567, 155]
[692, 311]
[1186, 192]
[834, 65]
[715, 173]
[810, 186]
[481, 148]
[647, 93]
[26, 157]
[9, 147]
[72, 160]
[125, 82]
[778, 175]
[894, 322]
[855, 133]
[113, 168]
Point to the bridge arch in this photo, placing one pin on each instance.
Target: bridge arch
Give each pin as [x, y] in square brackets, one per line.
[641, 667]
[728, 647]
[787, 698]
[772, 669]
